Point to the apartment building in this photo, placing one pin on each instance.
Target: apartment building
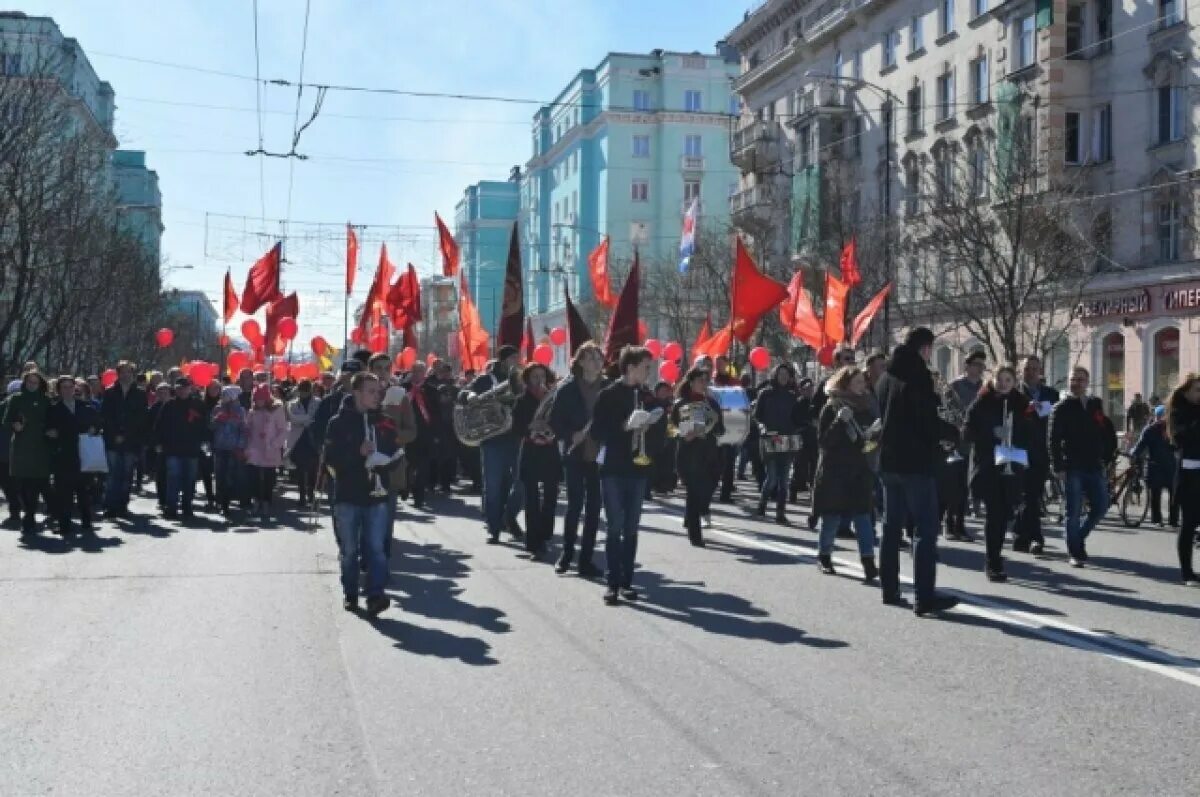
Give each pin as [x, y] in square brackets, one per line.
[875, 92]
[483, 222]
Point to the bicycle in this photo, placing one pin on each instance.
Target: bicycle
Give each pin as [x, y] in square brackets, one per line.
[1129, 493]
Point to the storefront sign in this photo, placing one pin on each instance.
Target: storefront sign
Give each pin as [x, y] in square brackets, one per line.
[1182, 299]
[1126, 304]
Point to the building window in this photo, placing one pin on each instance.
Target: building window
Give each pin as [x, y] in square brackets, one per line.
[1072, 151]
[910, 283]
[889, 48]
[1112, 375]
[839, 66]
[1102, 134]
[916, 35]
[856, 133]
[1168, 232]
[978, 8]
[1025, 46]
[10, 64]
[912, 189]
[692, 101]
[945, 89]
[1103, 17]
[914, 109]
[946, 18]
[803, 144]
[735, 108]
[1168, 13]
[1170, 114]
[943, 160]
[692, 146]
[978, 166]
[1026, 142]
[639, 190]
[979, 80]
[641, 146]
[856, 65]
[694, 62]
[1166, 362]
[1075, 31]
[691, 190]
[641, 100]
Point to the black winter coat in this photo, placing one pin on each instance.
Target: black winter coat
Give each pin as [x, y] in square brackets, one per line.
[1183, 421]
[124, 415]
[1081, 437]
[343, 438]
[845, 483]
[182, 427]
[1160, 455]
[570, 413]
[540, 461]
[69, 425]
[985, 419]
[1039, 446]
[698, 461]
[778, 410]
[912, 430]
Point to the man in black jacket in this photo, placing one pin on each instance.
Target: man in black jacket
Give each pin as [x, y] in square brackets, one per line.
[355, 435]
[179, 436]
[1083, 443]
[1028, 530]
[910, 449]
[70, 418]
[777, 413]
[123, 413]
[502, 497]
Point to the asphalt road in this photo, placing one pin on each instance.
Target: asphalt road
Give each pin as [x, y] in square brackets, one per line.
[209, 660]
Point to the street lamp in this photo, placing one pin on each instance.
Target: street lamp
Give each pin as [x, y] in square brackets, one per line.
[892, 102]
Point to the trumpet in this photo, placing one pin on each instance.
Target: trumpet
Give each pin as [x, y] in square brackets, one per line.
[638, 422]
[1007, 437]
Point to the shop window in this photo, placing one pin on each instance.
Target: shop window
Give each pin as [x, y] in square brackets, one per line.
[1166, 362]
[1112, 377]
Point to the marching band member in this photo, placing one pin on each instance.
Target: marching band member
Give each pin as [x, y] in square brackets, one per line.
[1183, 429]
[538, 460]
[696, 422]
[499, 453]
[777, 413]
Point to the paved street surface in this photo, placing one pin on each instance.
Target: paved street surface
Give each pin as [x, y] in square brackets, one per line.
[210, 660]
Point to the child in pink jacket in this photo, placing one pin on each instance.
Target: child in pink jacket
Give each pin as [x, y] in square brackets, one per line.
[267, 428]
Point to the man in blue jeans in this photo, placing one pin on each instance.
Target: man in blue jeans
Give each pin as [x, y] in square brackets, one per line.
[619, 425]
[909, 451]
[501, 495]
[1083, 443]
[179, 436]
[354, 442]
[123, 414]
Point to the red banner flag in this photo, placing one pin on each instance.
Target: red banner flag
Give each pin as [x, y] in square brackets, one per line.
[623, 325]
[472, 337]
[288, 307]
[849, 265]
[262, 283]
[449, 247]
[754, 294]
[835, 309]
[376, 304]
[404, 300]
[716, 344]
[231, 297]
[598, 271]
[577, 329]
[512, 309]
[798, 316]
[351, 257]
[863, 320]
[704, 334]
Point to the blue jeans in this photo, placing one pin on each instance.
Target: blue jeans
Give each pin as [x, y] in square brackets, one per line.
[862, 529]
[583, 497]
[228, 477]
[623, 496]
[362, 529]
[120, 478]
[905, 495]
[776, 482]
[181, 477]
[499, 461]
[1078, 483]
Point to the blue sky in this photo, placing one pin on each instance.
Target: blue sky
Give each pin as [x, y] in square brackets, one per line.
[364, 167]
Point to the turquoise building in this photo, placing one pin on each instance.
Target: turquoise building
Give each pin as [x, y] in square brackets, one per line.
[139, 200]
[483, 221]
[622, 151]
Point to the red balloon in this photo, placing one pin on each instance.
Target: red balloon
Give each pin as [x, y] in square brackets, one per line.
[108, 378]
[223, 340]
[320, 346]
[672, 351]
[287, 327]
[760, 358]
[279, 371]
[669, 371]
[558, 336]
[237, 360]
[202, 373]
[543, 354]
[407, 357]
[379, 339]
[655, 347]
[252, 332]
[164, 337]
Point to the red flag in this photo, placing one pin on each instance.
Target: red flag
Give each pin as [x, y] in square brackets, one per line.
[376, 304]
[288, 306]
[512, 310]
[410, 338]
[863, 320]
[598, 270]
[472, 337]
[577, 329]
[849, 264]
[404, 300]
[623, 325]
[835, 309]
[798, 316]
[231, 297]
[715, 345]
[351, 257]
[705, 332]
[449, 247]
[753, 293]
[527, 341]
[262, 283]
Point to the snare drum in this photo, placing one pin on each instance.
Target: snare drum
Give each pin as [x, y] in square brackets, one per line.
[780, 443]
[735, 412]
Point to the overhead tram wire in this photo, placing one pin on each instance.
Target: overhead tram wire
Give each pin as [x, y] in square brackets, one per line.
[258, 87]
[296, 129]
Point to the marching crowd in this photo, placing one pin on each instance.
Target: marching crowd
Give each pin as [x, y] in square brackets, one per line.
[890, 455]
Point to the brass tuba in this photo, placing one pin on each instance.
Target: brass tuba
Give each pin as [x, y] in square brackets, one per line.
[693, 416]
[486, 415]
[950, 410]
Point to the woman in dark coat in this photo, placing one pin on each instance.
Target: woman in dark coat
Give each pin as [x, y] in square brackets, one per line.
[538, 460]
[1000, 487]
[1160, 466]
[1183, 430]
[70, 417]
[698, 457]
[844, 487]
[29, 451]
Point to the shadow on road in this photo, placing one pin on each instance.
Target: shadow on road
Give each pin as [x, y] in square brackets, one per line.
[432, 642]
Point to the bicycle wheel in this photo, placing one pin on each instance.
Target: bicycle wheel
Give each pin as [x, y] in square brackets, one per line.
[1135, 504]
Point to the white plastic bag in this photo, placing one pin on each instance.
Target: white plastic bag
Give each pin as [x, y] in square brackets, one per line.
[92, 458]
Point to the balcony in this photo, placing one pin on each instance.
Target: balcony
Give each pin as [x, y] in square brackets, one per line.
[752, 202]
[751, 144]
[691, 163]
